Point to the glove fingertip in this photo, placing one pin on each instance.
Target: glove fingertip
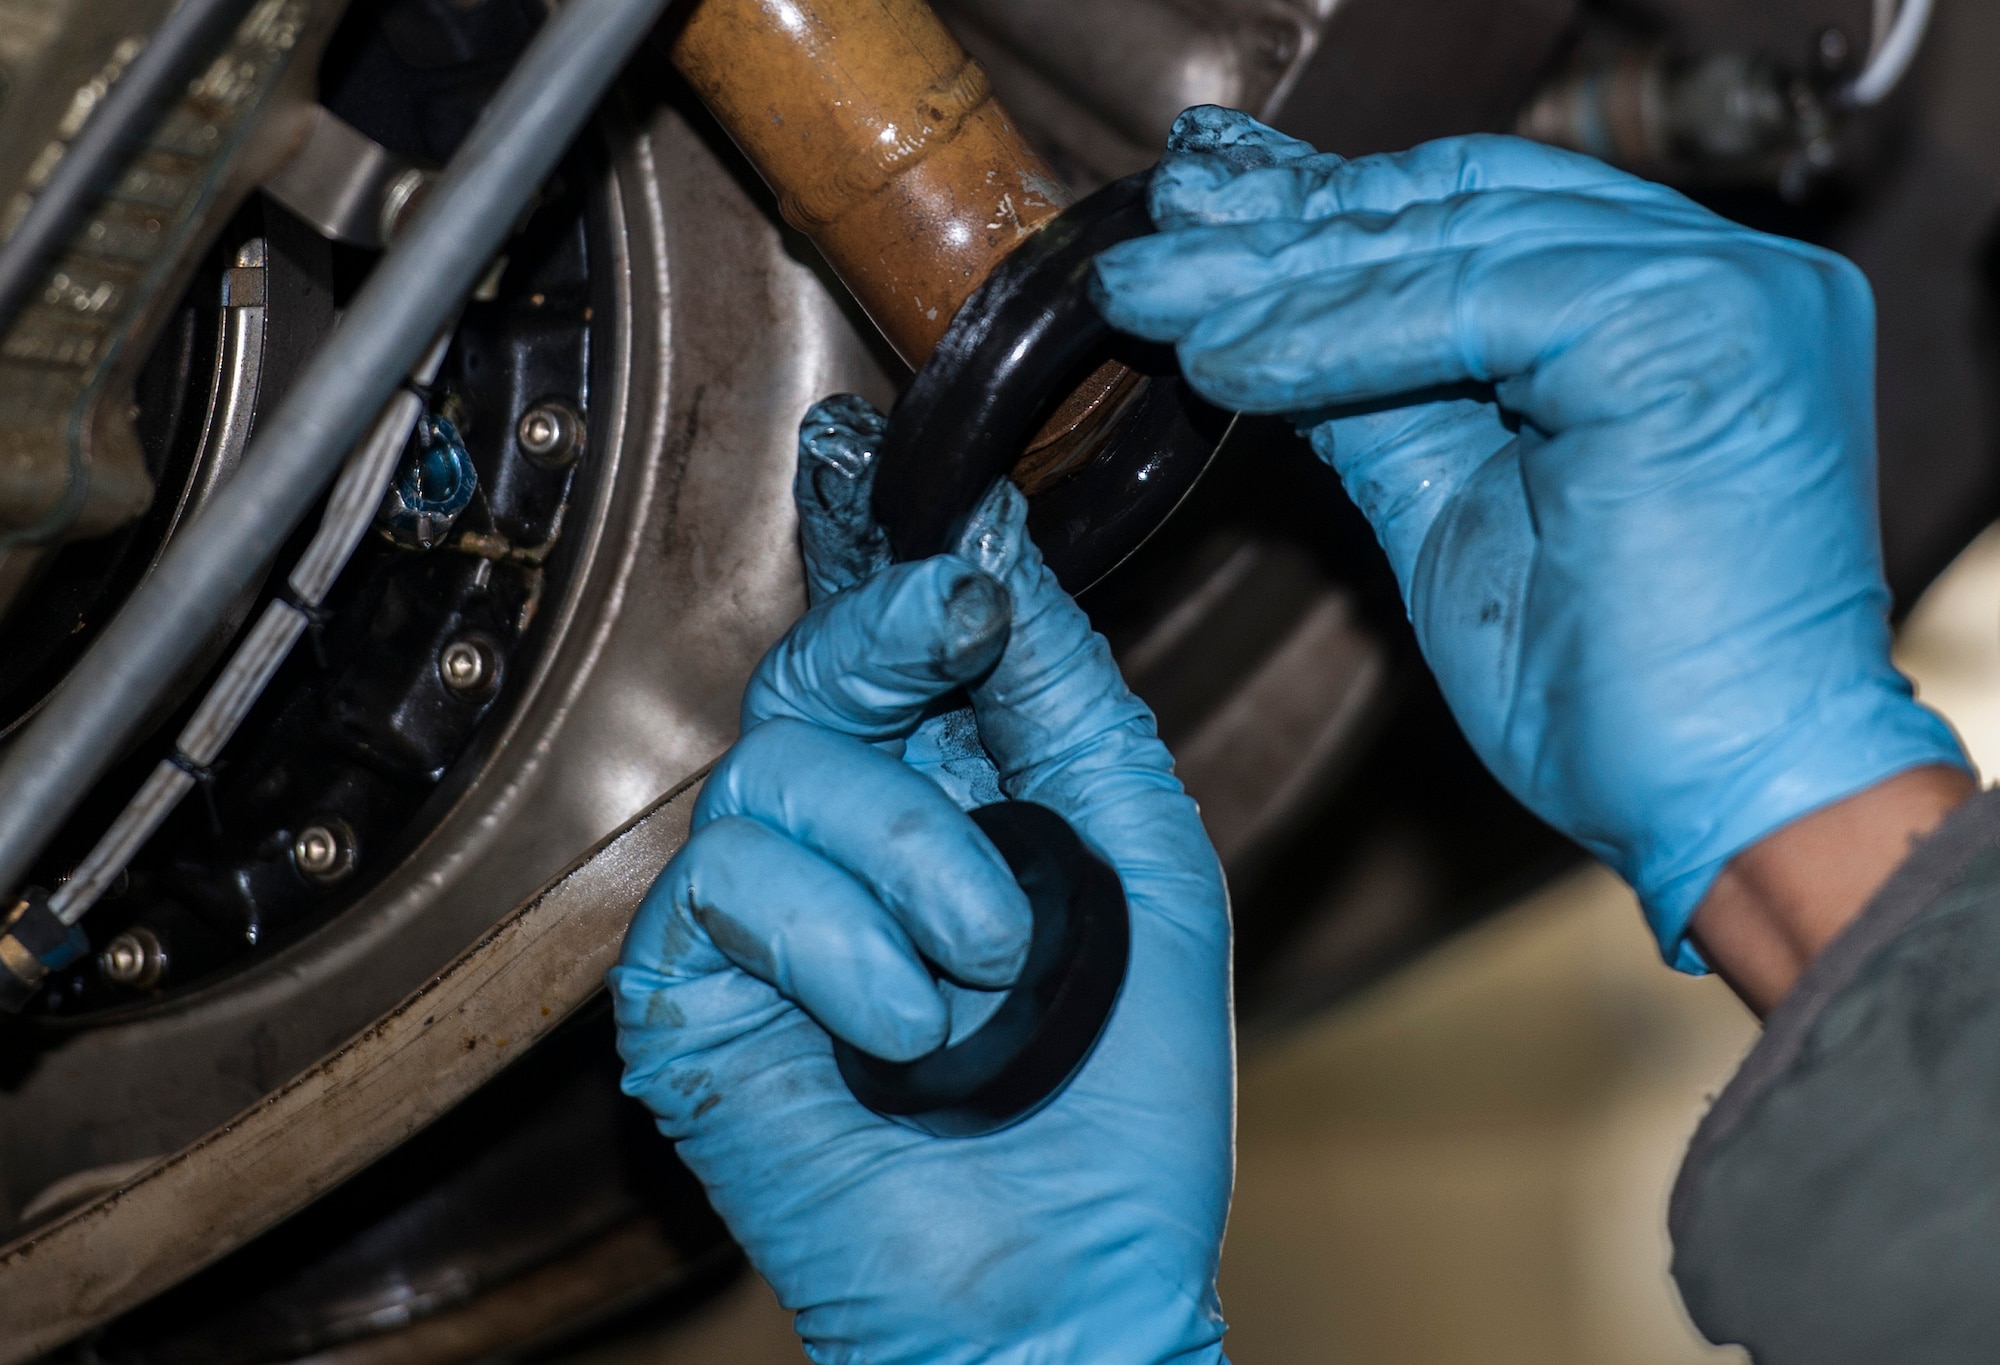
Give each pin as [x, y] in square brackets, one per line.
[1130, 290]
[906, 1025]
[996, 534]
[1234, 134]
[839, 440]
[842, 429]
[1211, 172]
[977, 611]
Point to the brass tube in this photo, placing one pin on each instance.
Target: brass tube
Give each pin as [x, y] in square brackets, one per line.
[883, 143]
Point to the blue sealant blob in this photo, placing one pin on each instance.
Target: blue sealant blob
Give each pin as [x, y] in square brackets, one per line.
[441, 480]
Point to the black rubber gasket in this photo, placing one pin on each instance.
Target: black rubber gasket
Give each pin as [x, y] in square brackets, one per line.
[1051, 1017]
[1023, 339]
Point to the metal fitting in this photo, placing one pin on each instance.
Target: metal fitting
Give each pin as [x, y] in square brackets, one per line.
[33, 943]
[135, 959]
[348, 186]
[550, 434]
[468, 664]
[436, 484]
[324, 852]
[403, 197]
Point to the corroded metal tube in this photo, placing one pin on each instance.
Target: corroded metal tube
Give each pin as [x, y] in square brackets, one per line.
[883, 143]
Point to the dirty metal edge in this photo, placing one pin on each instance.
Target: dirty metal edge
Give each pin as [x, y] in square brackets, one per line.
[519, 981]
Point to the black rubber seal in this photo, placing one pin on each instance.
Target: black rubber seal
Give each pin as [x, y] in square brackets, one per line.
[1015, 348]
[1050, 1019]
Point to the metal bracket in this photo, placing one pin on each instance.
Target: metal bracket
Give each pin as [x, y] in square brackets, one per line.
[349, 187]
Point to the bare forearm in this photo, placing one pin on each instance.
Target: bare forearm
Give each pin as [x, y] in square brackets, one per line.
[1783, 899]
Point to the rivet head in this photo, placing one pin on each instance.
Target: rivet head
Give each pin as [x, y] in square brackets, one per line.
[466, 665]
[323, 852]
[550, 434]
[135, 959]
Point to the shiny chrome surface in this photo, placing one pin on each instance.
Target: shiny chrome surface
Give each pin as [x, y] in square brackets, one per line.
[239, 377]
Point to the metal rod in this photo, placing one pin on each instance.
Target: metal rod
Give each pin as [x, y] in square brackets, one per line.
[356, 496]
[524, 130]
[185, 39]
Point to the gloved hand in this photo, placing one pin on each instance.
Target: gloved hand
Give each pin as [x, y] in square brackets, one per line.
[1621, 454]
[822, 863]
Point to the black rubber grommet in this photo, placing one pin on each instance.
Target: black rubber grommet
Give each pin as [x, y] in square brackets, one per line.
[1014, 349]
[1050, 1019]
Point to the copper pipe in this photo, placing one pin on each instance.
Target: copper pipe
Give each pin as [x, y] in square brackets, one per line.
[883, 142]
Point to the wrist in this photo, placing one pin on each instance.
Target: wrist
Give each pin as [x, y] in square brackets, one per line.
[1780, 901]
[1773, 757]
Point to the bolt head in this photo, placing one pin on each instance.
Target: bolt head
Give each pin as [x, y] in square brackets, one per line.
[550, 434]
[135, 959]
[540, 431]
[324, 851]
[466, 665]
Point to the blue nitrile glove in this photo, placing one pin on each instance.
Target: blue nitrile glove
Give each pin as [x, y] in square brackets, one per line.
[821, 863]
[1620, 451]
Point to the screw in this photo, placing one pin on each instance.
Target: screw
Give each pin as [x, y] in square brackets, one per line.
[550, 434]
[466, 665]
[135, 959]
[324, 852]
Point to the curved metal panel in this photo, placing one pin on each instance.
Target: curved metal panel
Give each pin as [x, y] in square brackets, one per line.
[686, 571]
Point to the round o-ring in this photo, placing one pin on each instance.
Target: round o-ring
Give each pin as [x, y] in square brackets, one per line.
[1049, 1021]
[1027, 335]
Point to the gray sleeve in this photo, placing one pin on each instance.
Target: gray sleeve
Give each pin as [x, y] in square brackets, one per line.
[1841, 1201]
